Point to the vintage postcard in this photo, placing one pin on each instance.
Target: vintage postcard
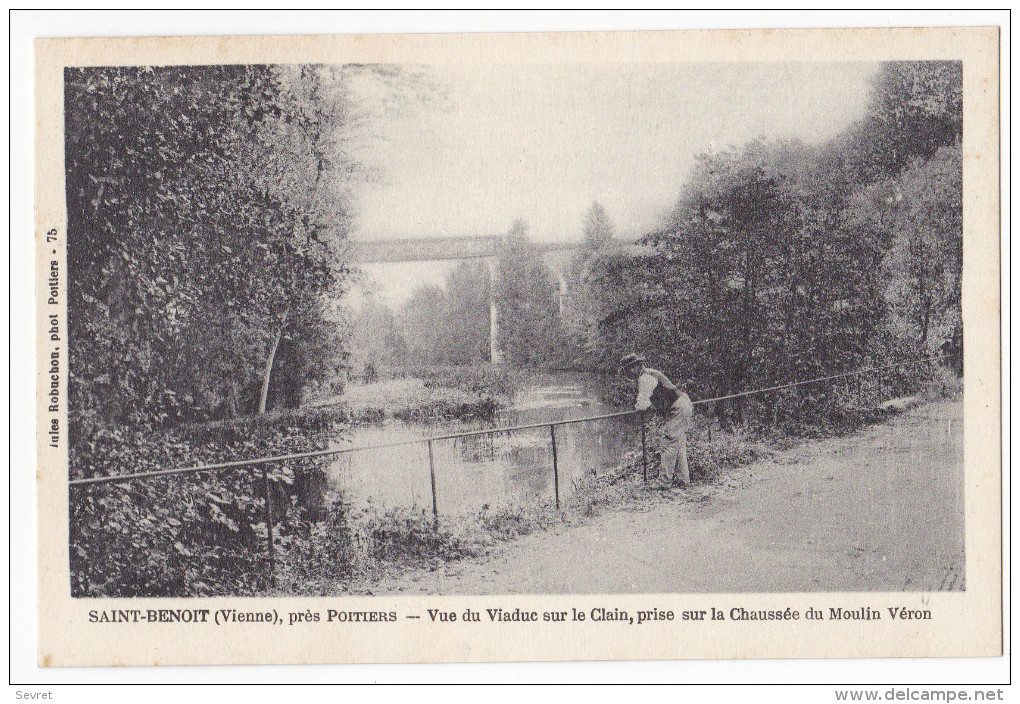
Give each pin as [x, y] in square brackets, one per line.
[490, 347]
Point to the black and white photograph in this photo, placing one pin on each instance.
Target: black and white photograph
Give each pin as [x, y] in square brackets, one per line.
[517, 347]
[342, 329]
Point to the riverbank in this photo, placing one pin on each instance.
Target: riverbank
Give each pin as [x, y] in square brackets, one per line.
[429, 394]
[205, 534]
[880, 509]
[715, 454]
[409, 399]
[387, 545]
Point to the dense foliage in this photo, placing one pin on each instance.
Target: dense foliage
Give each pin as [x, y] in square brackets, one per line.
[378, 342]
[527, 302]
[205, 222]
[207, 217]
[452, 324]
[202, 534]
[435, 326]
[784, 261]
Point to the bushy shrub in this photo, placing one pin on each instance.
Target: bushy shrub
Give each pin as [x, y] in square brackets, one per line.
[195, 533]
[409, 535]
[482, 379]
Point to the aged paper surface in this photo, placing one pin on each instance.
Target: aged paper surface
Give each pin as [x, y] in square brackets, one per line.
[944, 618]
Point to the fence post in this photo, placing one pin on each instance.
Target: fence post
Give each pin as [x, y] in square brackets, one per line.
[269, 528]
[432, 475]
[644, 452]
[556, 471]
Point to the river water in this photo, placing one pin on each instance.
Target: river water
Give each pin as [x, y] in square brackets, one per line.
[500, 470]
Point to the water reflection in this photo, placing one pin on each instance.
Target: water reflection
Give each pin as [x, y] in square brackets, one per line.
[513, 468]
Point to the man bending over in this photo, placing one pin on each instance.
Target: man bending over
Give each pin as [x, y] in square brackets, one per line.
[654, 389]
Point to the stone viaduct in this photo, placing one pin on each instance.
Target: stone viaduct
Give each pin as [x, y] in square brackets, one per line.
[556, 255]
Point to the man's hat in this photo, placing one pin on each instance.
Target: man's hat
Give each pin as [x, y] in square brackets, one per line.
[630, 360]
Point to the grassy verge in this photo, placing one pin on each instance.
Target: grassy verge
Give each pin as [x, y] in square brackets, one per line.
[381, 544]
[430, 394]
[400, 541]
[205, 534]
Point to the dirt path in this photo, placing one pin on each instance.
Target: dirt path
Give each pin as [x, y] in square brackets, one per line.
[879, 510]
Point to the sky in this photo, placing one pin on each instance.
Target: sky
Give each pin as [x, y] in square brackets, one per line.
[542, 142]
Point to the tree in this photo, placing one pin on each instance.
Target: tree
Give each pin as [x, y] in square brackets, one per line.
[304, 161]
[596, 236]
[377, 342]
[526, 300]
[196, 220]
[598, 229]
[418, 318]
[758, 279]
[924, 264]
[915, 108]
[467, 314]
[784, 261]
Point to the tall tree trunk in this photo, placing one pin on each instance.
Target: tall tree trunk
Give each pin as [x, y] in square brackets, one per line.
[269, 366]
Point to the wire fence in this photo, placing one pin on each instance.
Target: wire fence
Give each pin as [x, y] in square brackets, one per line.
[262, 463]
